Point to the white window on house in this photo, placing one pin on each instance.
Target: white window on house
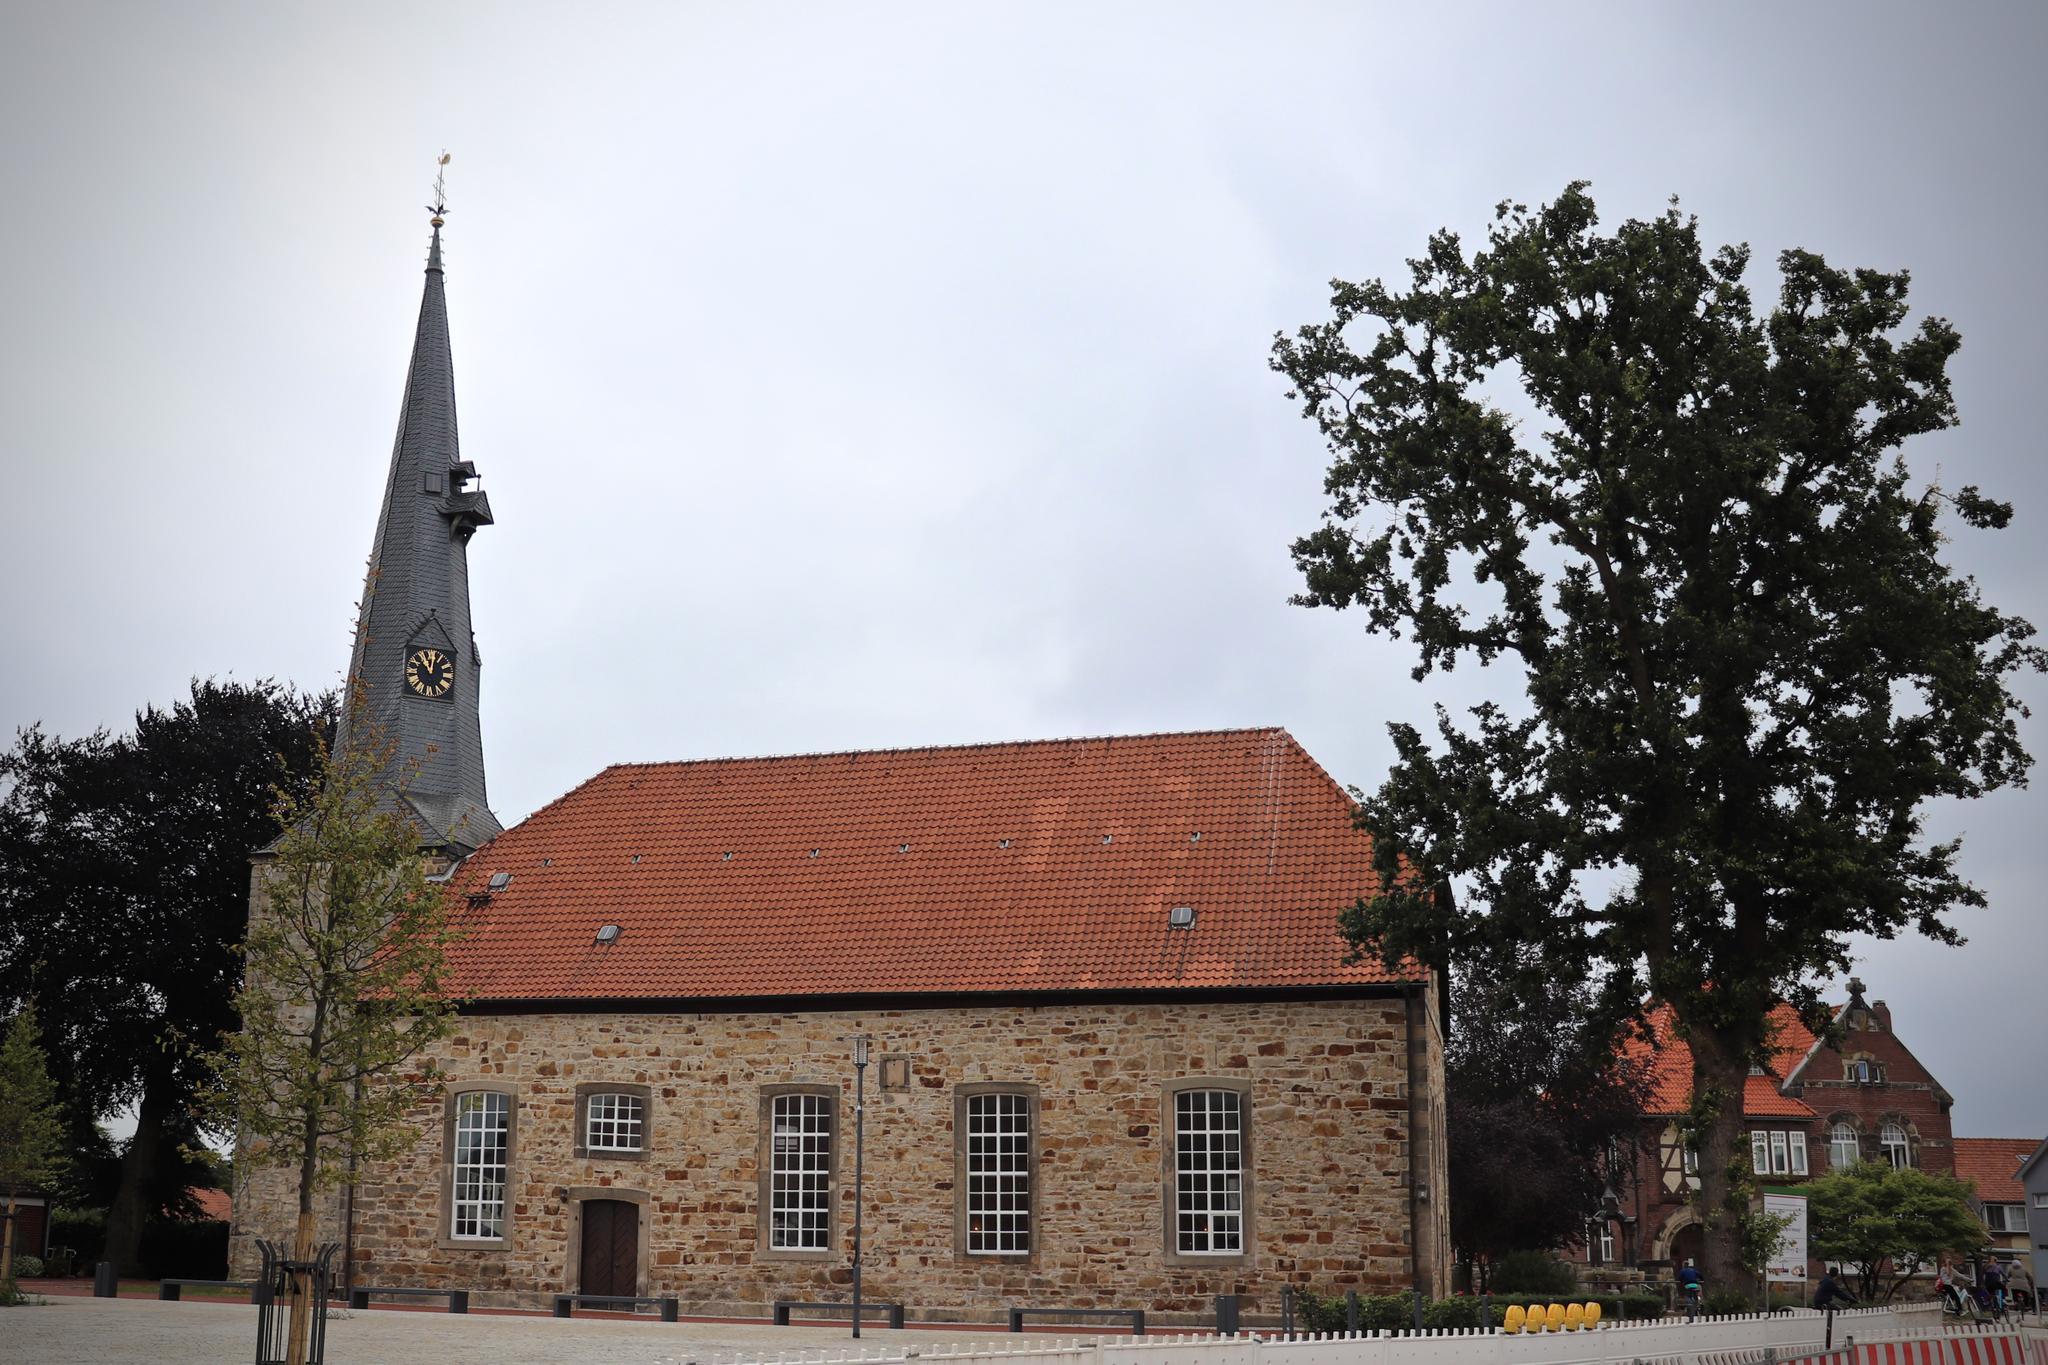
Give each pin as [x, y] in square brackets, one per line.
[2041, 1201]
[2006, 1217]
[999, 1175]
[1780, 1163]
[1798, 1152]
[1208, 1144]
[1689, 1164]
[614, 1123]
[1843, 1148]
[800, 1173]
[1892, 1138]
[483, 1123]
[1760, 1152]
[1606, 1243]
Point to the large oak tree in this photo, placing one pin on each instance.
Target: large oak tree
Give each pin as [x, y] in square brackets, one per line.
[124, 890]
[1743, 668]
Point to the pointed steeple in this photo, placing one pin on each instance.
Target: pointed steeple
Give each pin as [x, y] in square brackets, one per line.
[414, 672]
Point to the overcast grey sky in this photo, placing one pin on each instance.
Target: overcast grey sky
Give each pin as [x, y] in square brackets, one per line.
[862, 376]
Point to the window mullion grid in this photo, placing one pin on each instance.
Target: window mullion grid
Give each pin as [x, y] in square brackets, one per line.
[1209, 1173]
[999, 1174]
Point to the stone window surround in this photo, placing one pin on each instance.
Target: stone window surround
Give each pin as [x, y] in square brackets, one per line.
[1169, 1186]
[572, 1254]
[961, 1094]
[1907, 1130]
[765, 1163]
[444, 1219]
[1843, 1120]
[644, 1093]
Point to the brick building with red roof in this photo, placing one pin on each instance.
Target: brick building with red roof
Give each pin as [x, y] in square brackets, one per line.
[1812, 1107]
[1992, 1166]
[1122, 1056]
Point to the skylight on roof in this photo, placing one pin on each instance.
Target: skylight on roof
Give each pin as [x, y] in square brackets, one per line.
[608, 934]
[500, 880]
[1181, 917]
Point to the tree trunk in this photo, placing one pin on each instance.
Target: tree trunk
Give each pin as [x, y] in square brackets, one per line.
[302, 1282]
[130, 1209]
[1719, 1069]
[7, 1242]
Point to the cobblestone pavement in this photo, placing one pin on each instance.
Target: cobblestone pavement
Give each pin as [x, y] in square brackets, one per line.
[86, 1331]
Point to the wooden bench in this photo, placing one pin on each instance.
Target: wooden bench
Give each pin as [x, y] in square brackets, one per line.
[616, 1303]
[458, 1299]
[783, 1307]
[1135, 1316]
[170, 1291]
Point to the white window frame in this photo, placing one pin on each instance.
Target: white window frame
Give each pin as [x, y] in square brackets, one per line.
[1760, 1151]
[2041, 1201]
[800, 1172]
[1798, 1140]
[1900, 1152]
[998, 1137]
[2011, 1217]
[1606, 1242]
[1836, 1142]
[1209, 1173]
[614, 1121]
[1781, 1163]
[480, 1166]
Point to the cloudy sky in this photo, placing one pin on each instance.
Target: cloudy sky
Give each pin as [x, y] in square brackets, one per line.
[851, 377]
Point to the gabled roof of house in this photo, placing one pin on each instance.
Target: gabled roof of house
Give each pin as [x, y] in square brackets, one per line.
[1670, 1062]
[1032, 867]
[1993, 1166]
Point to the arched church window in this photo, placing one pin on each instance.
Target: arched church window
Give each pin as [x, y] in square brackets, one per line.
[1892, 1137]
[1843, 1148]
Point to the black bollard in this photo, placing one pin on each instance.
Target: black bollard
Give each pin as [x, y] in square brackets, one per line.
[1418, 1310]
[1287, 1309]
[1226, 1315]
[1486, 1312]
[1829, 1344]
[1351, 1311]
[105, 1283]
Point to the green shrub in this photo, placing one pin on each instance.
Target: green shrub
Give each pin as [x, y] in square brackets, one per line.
[1723, 1303]
[28, 1267]
[1532, 1272]
[83, 1230]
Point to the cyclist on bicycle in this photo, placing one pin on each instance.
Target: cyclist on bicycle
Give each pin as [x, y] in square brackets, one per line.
[1992, 1277]
[1689, 1286]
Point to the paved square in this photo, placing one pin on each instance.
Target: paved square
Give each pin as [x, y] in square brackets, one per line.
[86, 1331]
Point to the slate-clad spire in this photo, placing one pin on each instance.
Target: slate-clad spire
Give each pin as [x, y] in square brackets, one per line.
[415, 663]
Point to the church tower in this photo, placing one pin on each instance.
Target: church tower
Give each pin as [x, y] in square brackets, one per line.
[414, 674]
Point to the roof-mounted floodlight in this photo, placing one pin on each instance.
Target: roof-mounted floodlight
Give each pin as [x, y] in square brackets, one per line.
[608, 934]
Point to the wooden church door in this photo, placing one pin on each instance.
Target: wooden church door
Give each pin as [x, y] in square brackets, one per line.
[611, 1247]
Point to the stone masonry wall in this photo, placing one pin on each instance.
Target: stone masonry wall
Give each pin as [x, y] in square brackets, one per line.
[1328, 1115]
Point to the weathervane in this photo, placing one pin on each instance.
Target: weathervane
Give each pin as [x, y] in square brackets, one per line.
[440, 204]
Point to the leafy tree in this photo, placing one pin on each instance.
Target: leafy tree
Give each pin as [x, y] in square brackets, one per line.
[31, 1139]
[1889, 1224]
[1744, 666]
[1542, 1116]
[345, 986]
[124, 886]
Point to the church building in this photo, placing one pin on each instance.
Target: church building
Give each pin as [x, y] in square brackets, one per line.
[1117, 1053]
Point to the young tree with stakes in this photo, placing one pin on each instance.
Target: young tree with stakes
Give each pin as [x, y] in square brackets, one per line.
[1744, 666]
[345, 987]
[30, 1135]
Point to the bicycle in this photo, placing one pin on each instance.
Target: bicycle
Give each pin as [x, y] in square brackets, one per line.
[1690, 1293]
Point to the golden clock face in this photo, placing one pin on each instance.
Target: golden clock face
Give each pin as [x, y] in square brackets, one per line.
[429, 672]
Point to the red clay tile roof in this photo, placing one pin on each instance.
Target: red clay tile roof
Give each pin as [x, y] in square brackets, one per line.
[213, 1203]
[1670, 1061]
[1993, 1166]
[1048, 866]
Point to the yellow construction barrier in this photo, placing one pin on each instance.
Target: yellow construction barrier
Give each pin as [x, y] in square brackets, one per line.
[1592, 1315]
[1512, 1320]
[1554, 1319]
[1574, 1316]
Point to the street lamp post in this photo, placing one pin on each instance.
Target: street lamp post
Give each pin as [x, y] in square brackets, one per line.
[860, 1077]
